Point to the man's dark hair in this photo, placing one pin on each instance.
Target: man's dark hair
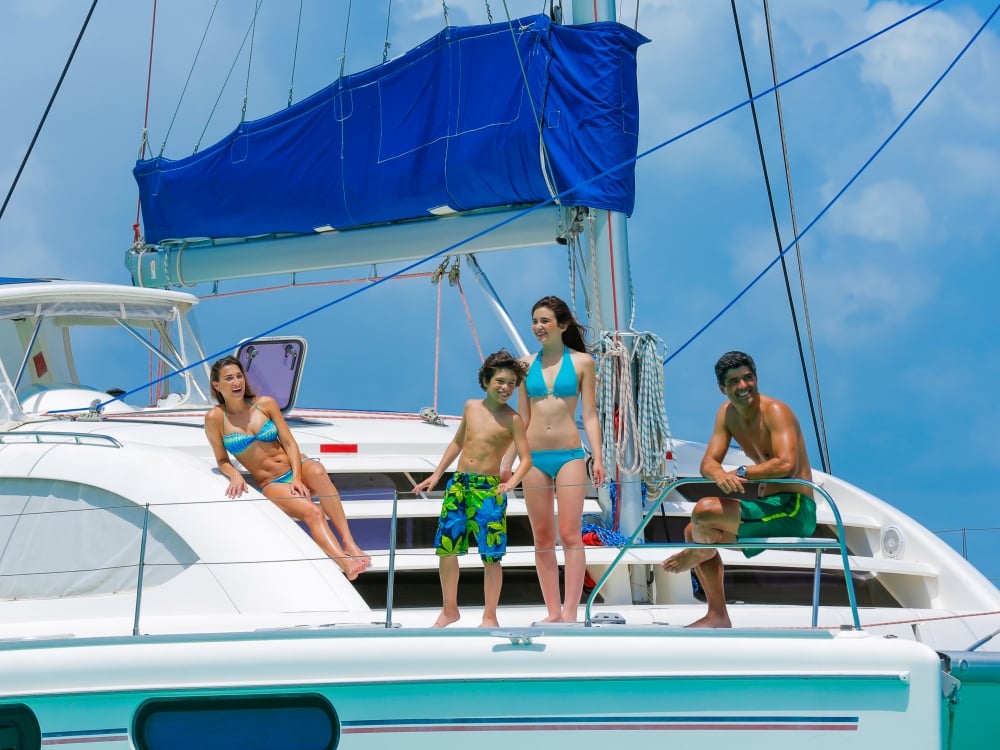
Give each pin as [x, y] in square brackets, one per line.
[730, 361]
[501, 360]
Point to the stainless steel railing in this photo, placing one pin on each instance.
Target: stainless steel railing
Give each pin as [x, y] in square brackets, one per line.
[814, 543]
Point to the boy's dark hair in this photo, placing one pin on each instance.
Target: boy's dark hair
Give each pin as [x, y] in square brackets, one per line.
[501, 360]
[730, 361]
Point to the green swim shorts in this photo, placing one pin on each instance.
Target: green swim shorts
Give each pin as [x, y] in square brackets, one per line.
[472, 509]
[783, 514]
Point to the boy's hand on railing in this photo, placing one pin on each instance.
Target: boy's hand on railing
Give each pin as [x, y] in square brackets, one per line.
[425, 486]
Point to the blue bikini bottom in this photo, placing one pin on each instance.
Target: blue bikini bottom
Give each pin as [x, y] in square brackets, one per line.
[550, 462]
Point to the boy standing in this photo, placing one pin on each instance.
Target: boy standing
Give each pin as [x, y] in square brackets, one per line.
[475, 498]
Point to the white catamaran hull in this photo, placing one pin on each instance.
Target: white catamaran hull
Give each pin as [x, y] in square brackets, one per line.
[556, 687]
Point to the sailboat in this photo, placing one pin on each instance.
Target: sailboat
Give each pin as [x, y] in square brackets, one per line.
[197, 617]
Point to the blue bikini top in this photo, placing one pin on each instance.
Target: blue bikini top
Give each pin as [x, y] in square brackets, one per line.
[238, 442]
[565, 385]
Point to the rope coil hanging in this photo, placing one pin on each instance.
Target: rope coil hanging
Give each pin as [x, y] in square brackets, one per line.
[630, 400]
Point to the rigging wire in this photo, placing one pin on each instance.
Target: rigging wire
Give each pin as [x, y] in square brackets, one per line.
[295, 54]
[347, 28]
[187, 81]
[821, 430]
[387, 45]
[253, 37]
[48, 107]
[850, 182]
[543, 154]
[136, 235]
[229, 74]
[611, 170]
[777, 233]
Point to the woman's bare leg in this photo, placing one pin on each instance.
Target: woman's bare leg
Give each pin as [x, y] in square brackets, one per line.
[571, 488]
[539, 499]
[305, 510]
[318, 481]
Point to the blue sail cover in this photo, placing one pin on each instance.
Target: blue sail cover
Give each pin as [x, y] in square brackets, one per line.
[452, 124]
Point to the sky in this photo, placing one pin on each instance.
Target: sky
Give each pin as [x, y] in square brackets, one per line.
[899, 271]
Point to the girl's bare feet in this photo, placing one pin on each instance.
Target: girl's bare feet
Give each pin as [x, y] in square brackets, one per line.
[446, 618]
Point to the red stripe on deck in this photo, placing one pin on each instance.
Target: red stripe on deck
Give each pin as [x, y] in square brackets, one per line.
[338, 448]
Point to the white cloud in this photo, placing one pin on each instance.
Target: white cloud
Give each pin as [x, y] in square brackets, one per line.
[907, 60]
[892, 211]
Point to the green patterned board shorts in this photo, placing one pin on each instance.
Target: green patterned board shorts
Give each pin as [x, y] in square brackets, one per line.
[782, 514]
[472, 508]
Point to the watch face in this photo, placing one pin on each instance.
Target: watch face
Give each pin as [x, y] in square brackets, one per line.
[741, 472]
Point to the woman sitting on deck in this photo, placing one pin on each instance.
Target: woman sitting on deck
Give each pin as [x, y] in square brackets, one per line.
[254, 430]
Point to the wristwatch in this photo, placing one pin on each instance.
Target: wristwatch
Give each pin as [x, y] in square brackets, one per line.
[741, 472]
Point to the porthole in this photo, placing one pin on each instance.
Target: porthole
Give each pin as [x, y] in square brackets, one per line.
[287, 721]
[19, 728]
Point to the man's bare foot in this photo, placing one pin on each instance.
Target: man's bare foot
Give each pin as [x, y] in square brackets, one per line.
[687, 559]
[489, 622]
[712, 621]
[445, 619]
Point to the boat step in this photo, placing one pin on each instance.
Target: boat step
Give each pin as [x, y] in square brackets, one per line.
[430, 508]
[426, 559]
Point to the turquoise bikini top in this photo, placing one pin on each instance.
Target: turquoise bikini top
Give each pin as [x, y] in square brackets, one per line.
[238, 442]
[565, 385]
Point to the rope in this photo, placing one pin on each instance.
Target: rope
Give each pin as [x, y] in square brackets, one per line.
[136, 235]
[856, 174]
[187, 81]
[777, 231]
[596, 525]
[48, 107]
[543, 155]
[468, 316]
[387, 45]
[634, 416]
[225, 82]
[347, 27]
[295, 55]
[437, 347]
[818, 420]
[253, 37]
[543, 204]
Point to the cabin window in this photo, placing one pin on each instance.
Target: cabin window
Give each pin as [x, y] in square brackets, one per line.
[258, 722]
[19, 728]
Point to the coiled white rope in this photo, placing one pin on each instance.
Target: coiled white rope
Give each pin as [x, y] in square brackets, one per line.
[634, 415]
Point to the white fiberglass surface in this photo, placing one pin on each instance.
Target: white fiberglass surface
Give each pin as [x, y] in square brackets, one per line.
[61, 539]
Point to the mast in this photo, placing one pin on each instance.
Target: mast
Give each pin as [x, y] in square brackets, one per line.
[610, 276]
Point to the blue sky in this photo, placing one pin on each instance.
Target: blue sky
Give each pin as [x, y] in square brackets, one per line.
[899, 272]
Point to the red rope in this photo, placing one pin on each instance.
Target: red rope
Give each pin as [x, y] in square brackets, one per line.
[468, 316]
[301, 284]
[929, 619]
[437, 346]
